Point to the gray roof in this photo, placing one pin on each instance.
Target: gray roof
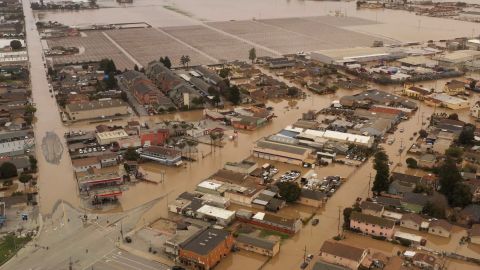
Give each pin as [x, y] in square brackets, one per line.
[372, 219]
[415, 198]
[313, 194]
[16, 134]
[320, 265]
[371, 206]
[205, 241]
[95, 104]
[342, 250]
[281, 147]
[255, 241]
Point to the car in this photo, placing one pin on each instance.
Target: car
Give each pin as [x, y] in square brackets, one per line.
[402, 130]
[103, 148]
[315, 221]
[80, 151]
[310, 256]
[94, 149]
[128, 239]
[304, 265]
[89, 150]
[332, 190]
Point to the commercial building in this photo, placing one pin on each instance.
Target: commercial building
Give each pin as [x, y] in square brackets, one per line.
[342, 254]
[415, 92]
[475, 234]
[454, 87]
[221, 216]
[270, 150]
[206, 248]
[108, 137]
[96, 109]
[356, 54]
[457, 58]
[331, 135]
[312, 198]
[372, 225]
[98, 178]
[271, 222]
[447, 101]
[163, 155]
[84, 164]
[258, 245]
[244, 166]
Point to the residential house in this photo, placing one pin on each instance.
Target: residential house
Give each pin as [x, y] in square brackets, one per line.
[258, 245]
[342, 254]
[440, 227]
[165, 79]
[312, 198]
[320, 265]
[372, 225]
[427, 161]
[470, 214]
[415, 92]
[475, 234]
[454, 88]
[424, 261]
[474, 185]
[412, 221]
[183, 96]
[475, 110]
[414, 202]
[206, 248]
[398, 187]
[371, 208]
[209, 75]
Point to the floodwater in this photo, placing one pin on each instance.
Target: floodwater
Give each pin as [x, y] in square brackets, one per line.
[394, 24]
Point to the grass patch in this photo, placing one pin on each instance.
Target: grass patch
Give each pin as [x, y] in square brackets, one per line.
[10, 244]
[265, 233]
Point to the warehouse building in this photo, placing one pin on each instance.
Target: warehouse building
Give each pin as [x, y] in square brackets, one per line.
[270, 150]
[457, 58]
[96, 109]
[357, 54]
[108, 137]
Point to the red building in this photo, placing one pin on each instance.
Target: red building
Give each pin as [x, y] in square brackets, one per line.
[205, 250]
[154, 137]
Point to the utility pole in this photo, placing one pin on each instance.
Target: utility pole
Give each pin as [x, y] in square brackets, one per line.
[369, 185]
[70, 264]
[339, 224]
[305, 254]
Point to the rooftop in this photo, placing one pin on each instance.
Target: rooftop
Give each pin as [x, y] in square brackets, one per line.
[371, 206]
[357, 216]
[205, 241]
[256, 241]
[215, 212]
[342, 250]
[95, 105]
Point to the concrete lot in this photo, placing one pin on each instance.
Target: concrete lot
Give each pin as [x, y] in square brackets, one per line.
[94, 46]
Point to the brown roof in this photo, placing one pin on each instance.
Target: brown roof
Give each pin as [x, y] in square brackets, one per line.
[371, 206]
[413, 217]
[475, 231]
[372, 219]
[342, 250]
[422, 257]
[84, 161]
[442, 224]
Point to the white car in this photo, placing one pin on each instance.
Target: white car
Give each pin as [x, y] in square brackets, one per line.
[80, 151]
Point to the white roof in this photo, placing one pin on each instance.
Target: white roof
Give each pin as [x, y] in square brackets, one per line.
[330, 134]
[447, 99]
[215, 198]
[409, 253]
[209, 185]
[475, 41]
[409, 236]
[392, 215]
[185, 77]
[259, 216]
[119, 133]
[215, 212]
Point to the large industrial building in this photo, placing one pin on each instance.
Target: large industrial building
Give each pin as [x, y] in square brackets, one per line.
[357, 54]
[96, 109]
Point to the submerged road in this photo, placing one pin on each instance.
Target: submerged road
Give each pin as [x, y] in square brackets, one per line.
[55, 181]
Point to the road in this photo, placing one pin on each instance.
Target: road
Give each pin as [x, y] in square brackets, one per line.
[121, 260]
[55, 180]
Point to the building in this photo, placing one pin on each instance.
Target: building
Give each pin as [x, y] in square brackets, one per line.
[286, 153]
[342, 254]
[457, 58]
[312, 198]
[372, 225]
[424, 261]
[163, 155]
[414, 202]
[108, 160]
[427, 161]
[444, 100]
[154, 137]
[356, 54]
[258, 245]
[440, 227]
[221, 216]
[475, 110]
[84, 164]
[96, 109]
[270, 221]
[244, 166]
[108, 137]
[454, 88]
[205, 249]
[164, 78]
[413, 221]
[98, 178]
[475, 234]
[371, 208]
[320, 265]
[415, 92]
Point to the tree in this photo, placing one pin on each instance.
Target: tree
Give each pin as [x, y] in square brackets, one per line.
[347, 212]
[467, 136]
[453, 116]
[252, 54]
[131, 154]
[234, 95]
[184, 60]
[411, 163]
[33, 163]
[380, 164]
[135, 67]
[224, 72]
[167, 63]
[124, 96]
[24, 179]
[454, 152]
[290, 191]
[292, 91]
[30, 109]
[8, 170]
[423, 133]
[461, 195]
[107, 66]
[434, 210]
[110, 81]
[449, 177]
[15, 44]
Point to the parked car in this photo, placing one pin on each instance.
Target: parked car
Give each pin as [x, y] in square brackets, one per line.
[315, 221]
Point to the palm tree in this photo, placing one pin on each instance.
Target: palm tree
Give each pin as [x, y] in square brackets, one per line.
[24, 179]
[187, 60]
[183, 60]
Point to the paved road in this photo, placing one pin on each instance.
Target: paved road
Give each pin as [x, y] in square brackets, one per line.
[118, 259]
